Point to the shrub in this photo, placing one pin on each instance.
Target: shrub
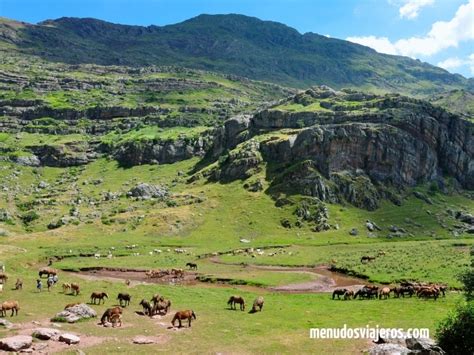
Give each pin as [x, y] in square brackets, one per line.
[454, 334]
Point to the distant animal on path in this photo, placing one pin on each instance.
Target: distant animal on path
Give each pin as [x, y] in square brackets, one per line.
[10, 305]
[124, 298]
[101, 296]
[257, 303]
[339, 292]
[147, 308]
[192, 266]
[236, 299]
[75, 288]
[181, 315]
[109, 312]
[127, 282]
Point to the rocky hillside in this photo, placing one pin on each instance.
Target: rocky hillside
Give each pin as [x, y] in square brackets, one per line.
[345, 146]
[232, 44]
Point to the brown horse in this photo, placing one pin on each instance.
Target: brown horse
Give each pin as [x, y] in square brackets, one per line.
[339, 292]
[161, 306]
[127, 282]
[10, 305]
[429, 293]
[125, 298]
[385, 293]
[236, 299]
[109, 312]
[75, 289]
[19, 284]
[147, 308]
[47, 271]
[257, 303]
[3, 278]
[66, 287]
[348, 295]
[188, 314]
[101, 296]
[116, 319]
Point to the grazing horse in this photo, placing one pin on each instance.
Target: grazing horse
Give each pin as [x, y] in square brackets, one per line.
[402, 290]
[3, 278]
[236, 299]
[188, 314]
[385, 293]
[101, 296]
[19, 284]
[66, 287]
[47, 271]
[10, 305]
[124, 297]
[157, 298]
[192, 266]
[429, 293]
[116, 319]
[177, 272]
[367, 292]
[75, 288]
[348, 295]
[367, 258]
[339, 292]
[109, 313]
[257, 303]
[147, 309]
[160, 306]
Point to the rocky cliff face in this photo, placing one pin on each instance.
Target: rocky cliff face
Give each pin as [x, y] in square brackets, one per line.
[356, 146]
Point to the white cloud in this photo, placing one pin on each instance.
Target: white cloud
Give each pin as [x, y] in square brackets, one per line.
[411, 8]
[443, 34]
[455, 63]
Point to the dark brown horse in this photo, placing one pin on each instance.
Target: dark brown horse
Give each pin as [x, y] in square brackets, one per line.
[192, 266]
[101, 296]
[109, 313]
[236, 299]
[3, 278]
[147, 308]
[10, 305]
[257, 303]
[339, 292]
[124, 298]
[348, 295]
[367, 258]
[181, 315]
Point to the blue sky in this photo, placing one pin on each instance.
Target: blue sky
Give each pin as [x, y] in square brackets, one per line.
[440, 32]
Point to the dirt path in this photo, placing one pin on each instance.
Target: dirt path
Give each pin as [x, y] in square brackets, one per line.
[326, 280]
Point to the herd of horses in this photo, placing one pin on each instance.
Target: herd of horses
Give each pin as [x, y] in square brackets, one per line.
[257, 303]
[405, 289]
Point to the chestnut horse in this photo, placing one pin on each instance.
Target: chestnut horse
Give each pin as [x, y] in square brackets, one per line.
[47, 271]
[109, 313]
[101, 296]
[75, 288]
[10, 305]
[188, 314]
[236, 299]
[116, 319]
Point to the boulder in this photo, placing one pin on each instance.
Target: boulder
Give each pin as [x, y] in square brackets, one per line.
[69, 338]
[389, 349]
[7, 324]
[147, 191]
[45, 333]
[76, 313]
[16, 343]
[354, 231]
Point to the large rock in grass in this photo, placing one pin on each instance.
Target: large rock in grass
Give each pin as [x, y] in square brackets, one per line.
[389, 349]
[16, 343]
[46, 333]
[147, 191]
[76, 313]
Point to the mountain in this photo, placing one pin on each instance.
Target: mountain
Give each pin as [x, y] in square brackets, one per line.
[457, 101]
[234, 44]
